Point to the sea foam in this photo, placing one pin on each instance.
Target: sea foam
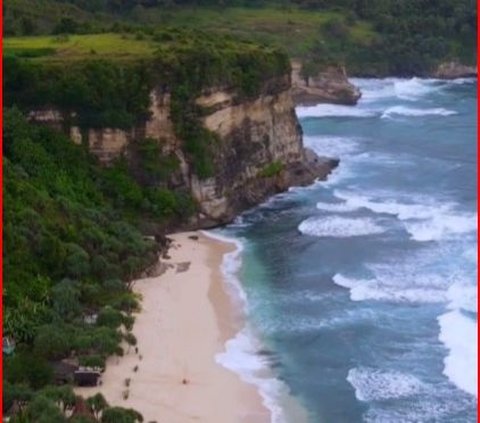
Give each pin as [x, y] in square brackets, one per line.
[459, 334]
[332, 146]
[424, 221]
[374, 385]
[340, 227]
[242, 352]
[412, 89]
[414, 112]
[441, 225]
[388, 290]
[334, 110]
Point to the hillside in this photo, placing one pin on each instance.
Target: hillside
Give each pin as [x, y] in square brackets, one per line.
[378, 37]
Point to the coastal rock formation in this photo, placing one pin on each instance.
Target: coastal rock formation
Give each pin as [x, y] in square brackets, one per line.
[331, 85]
[259, 151]
[454, 69]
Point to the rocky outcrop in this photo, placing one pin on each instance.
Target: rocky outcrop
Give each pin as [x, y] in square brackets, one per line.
[454, 69]
[259, 152]
[330, 85]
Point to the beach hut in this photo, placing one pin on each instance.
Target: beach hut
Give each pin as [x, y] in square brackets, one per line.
[87, 376]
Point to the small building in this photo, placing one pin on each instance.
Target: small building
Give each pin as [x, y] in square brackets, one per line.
[86, 376]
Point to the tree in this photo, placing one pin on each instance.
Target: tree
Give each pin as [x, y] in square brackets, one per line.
[63, 396]
[109, 317]
[66, 25]
[52, 342]
[97, 404]
[19, 394]
[65, 297]
[43, 410]
[25, 367]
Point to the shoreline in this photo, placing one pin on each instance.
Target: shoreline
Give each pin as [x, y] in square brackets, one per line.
[186, 318]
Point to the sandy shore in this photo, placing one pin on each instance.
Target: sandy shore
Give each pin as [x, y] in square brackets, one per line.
[185, 319]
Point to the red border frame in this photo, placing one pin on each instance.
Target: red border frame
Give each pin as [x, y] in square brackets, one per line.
[1, 206]
[1, 198]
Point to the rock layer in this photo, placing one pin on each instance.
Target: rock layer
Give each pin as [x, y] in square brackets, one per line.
[330, 85]
[260, 150]
[454, 69]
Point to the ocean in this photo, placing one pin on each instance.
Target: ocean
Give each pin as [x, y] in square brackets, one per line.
[360, 292]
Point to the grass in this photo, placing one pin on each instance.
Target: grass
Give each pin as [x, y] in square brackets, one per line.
[78, 47]
[290, 28]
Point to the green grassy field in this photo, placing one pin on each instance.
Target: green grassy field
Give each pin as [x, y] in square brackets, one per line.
[78, 47]
[294, 29]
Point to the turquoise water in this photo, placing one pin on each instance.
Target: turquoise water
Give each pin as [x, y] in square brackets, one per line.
[361, 291]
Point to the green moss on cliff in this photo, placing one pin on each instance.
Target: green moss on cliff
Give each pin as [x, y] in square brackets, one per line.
[271, 169]
[96, 93]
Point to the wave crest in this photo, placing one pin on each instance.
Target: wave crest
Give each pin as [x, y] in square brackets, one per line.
[414, 112]
[340, 227]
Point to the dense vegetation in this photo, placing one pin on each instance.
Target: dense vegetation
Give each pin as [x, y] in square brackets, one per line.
[72, 249]
[96, 93]
[400, 37]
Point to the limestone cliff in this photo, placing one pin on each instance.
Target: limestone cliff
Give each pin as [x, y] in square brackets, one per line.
[330, 85]
[259, 150]
[454, 69]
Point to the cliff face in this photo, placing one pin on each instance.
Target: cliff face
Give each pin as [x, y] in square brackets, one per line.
[259, 150]
[331, 85]
[454, 69]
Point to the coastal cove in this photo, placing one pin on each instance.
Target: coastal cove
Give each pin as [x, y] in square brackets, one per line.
[239, 211]
[282, 318]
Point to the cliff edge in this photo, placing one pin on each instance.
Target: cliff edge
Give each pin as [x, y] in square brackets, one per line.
[258, 148]
[330, 85]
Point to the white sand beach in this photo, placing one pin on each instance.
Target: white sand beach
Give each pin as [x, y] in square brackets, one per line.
[185, 320]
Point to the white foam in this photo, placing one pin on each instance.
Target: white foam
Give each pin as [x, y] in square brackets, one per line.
[230, 267]
[424, 221]
[331, 146]
[459, 334]
[241, 354]
[374, 385]
[441, 225]
[336, 207]
[463, 81]
[413, 112]
[412, 89]
[334, 110]
[463, 295]
[374, 89]
[397, 88]
[340, 227]
[402, 210]
[389, 290]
